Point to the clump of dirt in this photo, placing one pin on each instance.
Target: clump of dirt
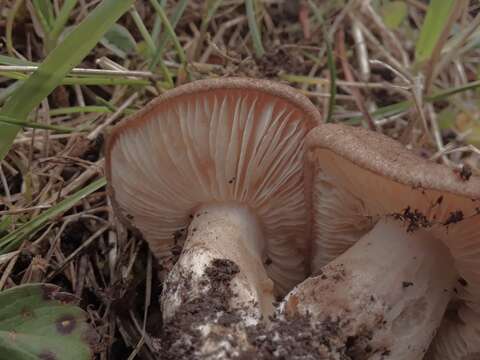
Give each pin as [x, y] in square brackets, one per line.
[414, 219]
[454, 217]
[300, 337]
[465, 173]
[182, 337]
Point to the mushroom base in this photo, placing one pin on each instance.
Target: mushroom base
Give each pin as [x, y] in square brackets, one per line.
[387, 293]
[219, 281]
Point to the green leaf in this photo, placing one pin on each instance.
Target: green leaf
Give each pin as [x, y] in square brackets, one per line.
[11, 241]
[38, 321]
[119, 41]
[394, 13]
[437, 18]
[75, 46]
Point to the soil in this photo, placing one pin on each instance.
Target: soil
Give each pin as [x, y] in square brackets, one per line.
[293, 337]
[181, 337]
[414, 219]
[465, 173]
[298, 337]
[454, 217]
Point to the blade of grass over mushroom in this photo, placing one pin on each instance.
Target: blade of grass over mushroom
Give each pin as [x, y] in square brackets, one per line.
[254, 29]
[46, 324]
[13, 240]
[437, 17]
[58, 63]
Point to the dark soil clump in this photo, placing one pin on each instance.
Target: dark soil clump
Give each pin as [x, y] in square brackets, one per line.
[300, 338]
[414, 219]
[454, 217]
[182, 338]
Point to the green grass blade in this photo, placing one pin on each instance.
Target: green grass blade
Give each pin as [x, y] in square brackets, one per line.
[170, 31]
[8, 60]
[79, 109]
[254, 30]
[61, 20]
[157, 57]
[84, 80]
[395, 109]
[34, 125]
[437, 18]
[76, 45]
[5, 93]
[44, 12]
[137, 19]
[11, 241]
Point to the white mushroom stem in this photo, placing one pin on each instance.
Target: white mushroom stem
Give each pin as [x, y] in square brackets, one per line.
[388, 292]
[217, 232]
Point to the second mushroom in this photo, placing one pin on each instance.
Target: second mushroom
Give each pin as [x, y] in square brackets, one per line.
[396, 250]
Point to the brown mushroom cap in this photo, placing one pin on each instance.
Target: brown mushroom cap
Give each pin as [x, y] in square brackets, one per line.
[376, 176]
[232, 139]
[361, 176]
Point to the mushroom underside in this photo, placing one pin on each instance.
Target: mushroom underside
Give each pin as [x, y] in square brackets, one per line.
[221, 203]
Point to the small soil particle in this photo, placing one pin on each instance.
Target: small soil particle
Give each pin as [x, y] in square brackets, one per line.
[464, 173]
[454, 217]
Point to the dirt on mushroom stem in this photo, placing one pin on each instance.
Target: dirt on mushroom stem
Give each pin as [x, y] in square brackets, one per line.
[394, 282]
[294, 336]
[184, 335]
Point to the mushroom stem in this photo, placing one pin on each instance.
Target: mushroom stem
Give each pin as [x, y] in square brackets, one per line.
[387, 293]
[219, 277]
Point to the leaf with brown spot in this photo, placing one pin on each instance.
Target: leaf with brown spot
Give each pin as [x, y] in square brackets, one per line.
[39, 321]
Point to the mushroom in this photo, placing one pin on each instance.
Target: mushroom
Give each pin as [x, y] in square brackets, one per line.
[220, 163]
[396, 241]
